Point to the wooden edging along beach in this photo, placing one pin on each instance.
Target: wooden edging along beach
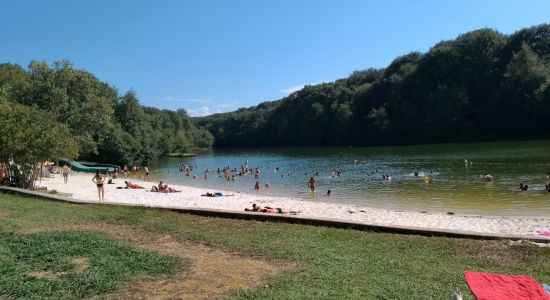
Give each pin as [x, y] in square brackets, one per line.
[290, 219]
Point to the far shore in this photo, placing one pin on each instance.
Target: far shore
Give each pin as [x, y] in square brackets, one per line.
[82, 188]
[178, 154]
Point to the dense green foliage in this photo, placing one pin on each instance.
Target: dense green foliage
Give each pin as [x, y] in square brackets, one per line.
[106, 126]
[41, 265]
[29, 137]
[329, 263]
[482, 85]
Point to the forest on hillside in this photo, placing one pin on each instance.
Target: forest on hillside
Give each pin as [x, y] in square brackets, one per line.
[481, 85]
[104, 125]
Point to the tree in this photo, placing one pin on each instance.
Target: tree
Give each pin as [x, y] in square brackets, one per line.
[29, 137]
[525, 77]
[379, 123]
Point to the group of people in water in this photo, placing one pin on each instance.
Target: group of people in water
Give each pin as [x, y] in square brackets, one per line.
[521, 187]
[229, 174]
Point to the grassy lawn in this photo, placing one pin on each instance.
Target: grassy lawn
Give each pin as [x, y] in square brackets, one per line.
[328, 263]
[71, 264]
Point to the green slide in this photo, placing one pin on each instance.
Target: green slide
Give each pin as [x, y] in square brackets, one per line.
[78, 167]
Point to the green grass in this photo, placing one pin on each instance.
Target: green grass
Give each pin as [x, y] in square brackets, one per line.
[332, 263]
[108, 264]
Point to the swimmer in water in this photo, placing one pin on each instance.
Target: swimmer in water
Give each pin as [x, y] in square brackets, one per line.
[311, 184]
[522, 187]
[488, 178]
[329, 193]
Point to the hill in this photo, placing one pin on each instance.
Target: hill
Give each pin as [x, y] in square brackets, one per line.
[481, 85]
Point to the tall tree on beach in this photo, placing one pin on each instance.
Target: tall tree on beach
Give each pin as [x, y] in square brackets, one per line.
[29, 137]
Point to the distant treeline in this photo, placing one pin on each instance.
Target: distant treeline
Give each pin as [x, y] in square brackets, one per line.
[482, 85]
[106, 126]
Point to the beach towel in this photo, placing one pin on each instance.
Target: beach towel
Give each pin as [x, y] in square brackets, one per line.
[487, 286]
[543, 233]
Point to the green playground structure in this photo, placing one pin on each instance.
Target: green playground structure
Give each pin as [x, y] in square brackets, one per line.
[79, 167]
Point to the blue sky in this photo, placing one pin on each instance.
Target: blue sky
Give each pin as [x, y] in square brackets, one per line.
[216, 56]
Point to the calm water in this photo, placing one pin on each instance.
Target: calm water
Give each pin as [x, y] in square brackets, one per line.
[453, 186]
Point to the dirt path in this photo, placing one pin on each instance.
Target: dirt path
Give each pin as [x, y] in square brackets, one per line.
[213, 272]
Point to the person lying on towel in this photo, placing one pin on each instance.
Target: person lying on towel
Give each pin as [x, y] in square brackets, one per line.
[131, 185]
[271, 210]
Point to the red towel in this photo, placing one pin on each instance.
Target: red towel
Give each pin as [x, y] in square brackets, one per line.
[487, 286]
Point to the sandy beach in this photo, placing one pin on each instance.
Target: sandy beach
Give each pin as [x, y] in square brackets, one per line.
[81, 187]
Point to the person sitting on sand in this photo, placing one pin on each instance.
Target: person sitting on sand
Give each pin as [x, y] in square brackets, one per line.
[131, 185]
[522, 187]
[161, 187]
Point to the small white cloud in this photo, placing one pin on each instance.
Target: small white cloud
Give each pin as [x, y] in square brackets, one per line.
[174, 99]
[293, 89]
[200, 112]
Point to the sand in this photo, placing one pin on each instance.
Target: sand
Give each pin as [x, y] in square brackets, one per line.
[81, 187]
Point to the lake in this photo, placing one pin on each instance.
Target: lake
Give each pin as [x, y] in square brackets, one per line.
[453, 185]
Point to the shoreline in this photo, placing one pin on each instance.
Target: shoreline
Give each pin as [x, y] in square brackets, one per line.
[82, 188]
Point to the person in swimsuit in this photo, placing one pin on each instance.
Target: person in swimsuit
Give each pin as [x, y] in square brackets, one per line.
[99, 180]
[311, 184]
[66, 170]
[131, 185]
[146, 169]
[522, 187]
[271, 210]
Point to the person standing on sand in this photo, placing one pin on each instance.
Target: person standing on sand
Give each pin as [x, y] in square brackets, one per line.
[146, 169]
[311, 184]
[66, 170]
[99, 180]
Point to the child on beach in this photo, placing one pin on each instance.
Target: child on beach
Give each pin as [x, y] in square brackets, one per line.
[66, 170]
